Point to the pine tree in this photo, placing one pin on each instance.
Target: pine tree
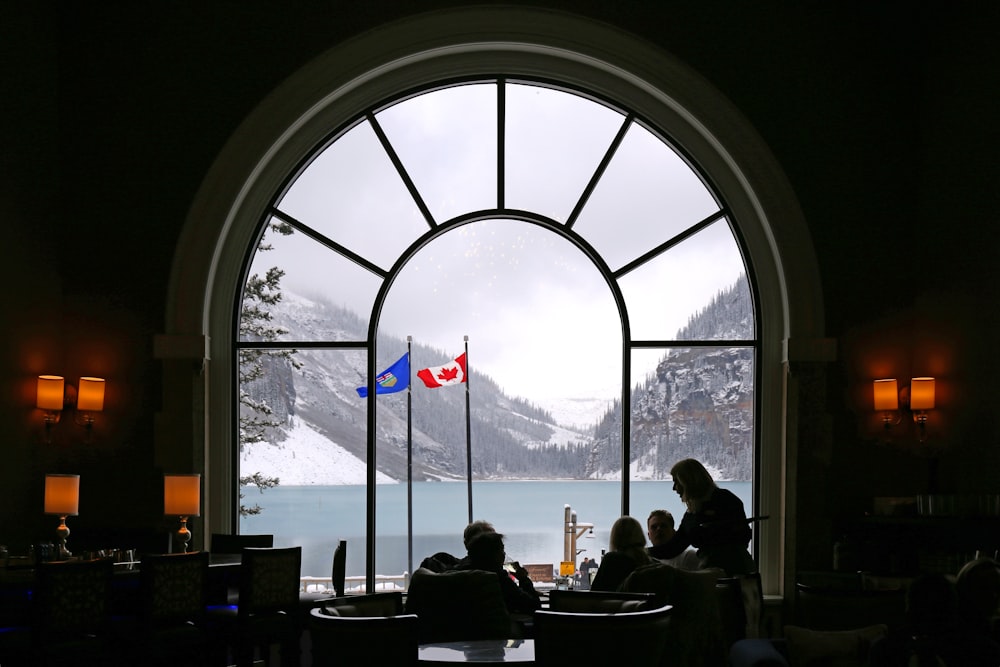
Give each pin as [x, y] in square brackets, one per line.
[256, 414]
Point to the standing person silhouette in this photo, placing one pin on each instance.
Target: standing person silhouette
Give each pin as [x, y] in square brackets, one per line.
[715, 522]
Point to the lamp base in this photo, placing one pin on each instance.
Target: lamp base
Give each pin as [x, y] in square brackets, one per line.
[182, 536]
[62, 532]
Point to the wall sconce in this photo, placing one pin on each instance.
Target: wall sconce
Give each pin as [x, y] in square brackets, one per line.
[918, 398]
[52, 399]
[921, 400]
[182, 498]
[62, 498]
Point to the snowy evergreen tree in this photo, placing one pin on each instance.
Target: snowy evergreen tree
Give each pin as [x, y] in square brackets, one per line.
[260, 407]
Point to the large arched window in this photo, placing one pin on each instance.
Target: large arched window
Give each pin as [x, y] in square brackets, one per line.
[645, 109]
[575, 243]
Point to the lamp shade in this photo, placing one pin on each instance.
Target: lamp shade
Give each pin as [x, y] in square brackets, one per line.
[182, 495]
[90, 395]
[922, 393]
[50, 392]
[886, 395]
[62, 494]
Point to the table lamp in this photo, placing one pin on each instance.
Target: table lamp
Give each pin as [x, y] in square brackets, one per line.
[62, 498]
[182, 498]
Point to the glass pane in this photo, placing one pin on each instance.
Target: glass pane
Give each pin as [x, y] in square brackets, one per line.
[554, 143]
[352, 194]
[696, 403]
[647, 196]
[690, 403]
[697, 290]
[447, 142]
[316, 453]
[540, 319]
[314, 277]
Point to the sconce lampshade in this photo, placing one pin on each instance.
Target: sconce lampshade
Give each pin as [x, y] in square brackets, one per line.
[182, 495]
[50, 392]
[62, 494]
[886, 395]
[90, 395]
[922, 393]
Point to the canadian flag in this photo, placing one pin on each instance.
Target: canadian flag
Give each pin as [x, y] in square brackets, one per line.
[442, 376]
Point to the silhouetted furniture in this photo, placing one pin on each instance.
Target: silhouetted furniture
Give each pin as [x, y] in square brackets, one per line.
[173, 591]
[603, 602]
[458, 604]
[741, 605]
[72, 613]
[631, 638]
[694, 636]
[819, 608]
[389, 603]
[267, 611]
[234, 544]
[364, 630]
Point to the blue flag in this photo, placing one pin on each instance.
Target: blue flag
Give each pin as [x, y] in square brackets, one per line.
[393, 379]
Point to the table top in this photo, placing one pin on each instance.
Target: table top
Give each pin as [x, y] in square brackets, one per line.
[485, 651]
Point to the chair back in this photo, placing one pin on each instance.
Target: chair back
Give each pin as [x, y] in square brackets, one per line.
[458, 604]
[173, 588]
[605, 602]
[358, 640]
[339, 567]
[574, 638]
[73, 598]
[373, 604]
[223, 543]
[694, 637]
[269, 580]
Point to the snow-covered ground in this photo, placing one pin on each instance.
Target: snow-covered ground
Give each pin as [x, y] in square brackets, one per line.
[312, 459]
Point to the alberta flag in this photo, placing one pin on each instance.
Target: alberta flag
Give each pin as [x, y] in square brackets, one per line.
[393, 379]
[442, 376]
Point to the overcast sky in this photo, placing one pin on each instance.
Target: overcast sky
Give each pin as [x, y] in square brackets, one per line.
[540, 319]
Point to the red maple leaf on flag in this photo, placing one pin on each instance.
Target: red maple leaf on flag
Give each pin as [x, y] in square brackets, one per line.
[447, 374]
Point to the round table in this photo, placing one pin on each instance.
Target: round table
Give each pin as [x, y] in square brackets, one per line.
[484, 651]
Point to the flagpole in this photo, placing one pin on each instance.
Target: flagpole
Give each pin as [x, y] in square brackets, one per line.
[468, 429]
[409, 456]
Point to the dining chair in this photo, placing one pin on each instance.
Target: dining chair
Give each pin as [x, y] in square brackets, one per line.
[267, 608]
[695, 632]
[374, 628]
[72, 613]
[363, 640]
[635, 638]
[172, 627]
[458, 604]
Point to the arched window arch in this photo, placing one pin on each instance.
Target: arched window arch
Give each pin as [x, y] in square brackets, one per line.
[576, 53]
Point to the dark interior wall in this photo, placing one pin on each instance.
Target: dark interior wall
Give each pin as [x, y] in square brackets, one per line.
[882, 115]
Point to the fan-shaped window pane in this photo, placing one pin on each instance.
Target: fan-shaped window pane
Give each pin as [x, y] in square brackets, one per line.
[554, 142]
[312, 271]
[689, 277]
[647, 196]
[352, 193]
[447, 142]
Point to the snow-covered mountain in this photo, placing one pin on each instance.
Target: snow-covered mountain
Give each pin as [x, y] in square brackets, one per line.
[698, 403]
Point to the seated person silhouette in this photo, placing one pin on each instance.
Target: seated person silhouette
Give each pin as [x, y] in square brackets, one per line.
[627, 552]
[443, 561]
[486, 552]
[660, 527]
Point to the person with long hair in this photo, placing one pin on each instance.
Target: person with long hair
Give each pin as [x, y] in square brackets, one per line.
[715, 522]
[627, 551]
